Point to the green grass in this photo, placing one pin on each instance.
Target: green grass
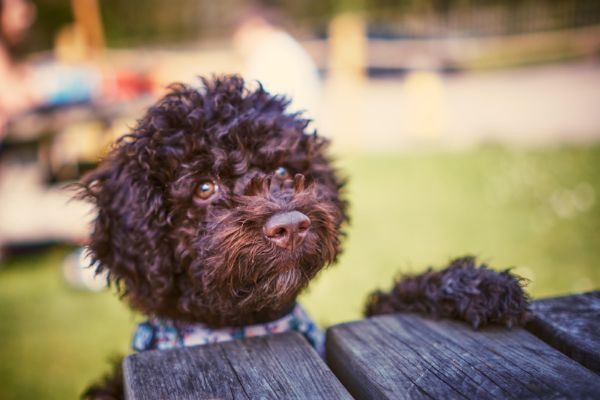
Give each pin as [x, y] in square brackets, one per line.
[54, 339]
[536, 210]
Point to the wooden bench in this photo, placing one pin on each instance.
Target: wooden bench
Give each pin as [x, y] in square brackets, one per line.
[572, 325]
[391, 357]
[280, 366]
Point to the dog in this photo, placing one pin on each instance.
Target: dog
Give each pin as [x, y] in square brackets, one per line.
[220, 207]
[213, 214]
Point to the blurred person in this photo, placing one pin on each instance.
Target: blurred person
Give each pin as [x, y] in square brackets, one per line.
[49, 82]
[17, 94]
[273, 57]
[30, 211]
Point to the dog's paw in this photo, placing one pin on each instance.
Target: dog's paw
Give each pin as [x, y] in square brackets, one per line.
[463, 291]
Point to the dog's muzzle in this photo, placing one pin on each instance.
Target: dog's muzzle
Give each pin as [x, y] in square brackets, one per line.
[287, 230]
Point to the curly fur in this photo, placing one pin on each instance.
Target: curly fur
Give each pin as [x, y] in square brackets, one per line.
[110, 387]
[175, 256]
[463, 291]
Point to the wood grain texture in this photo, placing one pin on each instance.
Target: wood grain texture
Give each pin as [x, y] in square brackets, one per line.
[571, 324]
[405, 356]
[270, 367]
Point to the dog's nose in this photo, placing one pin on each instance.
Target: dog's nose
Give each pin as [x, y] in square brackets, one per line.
[287, 230]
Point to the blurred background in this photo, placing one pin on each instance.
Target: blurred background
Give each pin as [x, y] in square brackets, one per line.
[464, 126]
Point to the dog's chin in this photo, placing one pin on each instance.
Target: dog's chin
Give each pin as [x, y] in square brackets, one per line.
[273, 293]
[288, 260]
[247, 284]
[281, 278]
[280, 288]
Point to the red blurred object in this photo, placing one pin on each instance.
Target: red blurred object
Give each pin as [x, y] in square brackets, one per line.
[127, 85]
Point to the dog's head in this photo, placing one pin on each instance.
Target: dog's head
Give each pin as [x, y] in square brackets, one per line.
[218, 207]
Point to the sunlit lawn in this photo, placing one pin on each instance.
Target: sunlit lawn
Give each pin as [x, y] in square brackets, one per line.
[536, 210]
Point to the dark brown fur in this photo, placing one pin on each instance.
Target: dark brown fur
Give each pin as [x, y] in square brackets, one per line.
[110, 387]
[463, 291]
[175, 256]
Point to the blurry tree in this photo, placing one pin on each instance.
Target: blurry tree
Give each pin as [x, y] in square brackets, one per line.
[51, 15]
[159, 22]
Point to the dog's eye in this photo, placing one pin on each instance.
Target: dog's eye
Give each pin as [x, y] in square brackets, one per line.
[282, 173]
[206, 189]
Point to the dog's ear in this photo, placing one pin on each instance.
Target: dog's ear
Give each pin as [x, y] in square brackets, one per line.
[130, 237]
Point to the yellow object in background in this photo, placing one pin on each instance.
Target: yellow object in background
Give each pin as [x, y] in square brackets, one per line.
[426, 113]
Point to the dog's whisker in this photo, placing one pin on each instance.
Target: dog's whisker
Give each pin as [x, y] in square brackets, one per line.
[267, 184]
[254, 187]
[298, 183]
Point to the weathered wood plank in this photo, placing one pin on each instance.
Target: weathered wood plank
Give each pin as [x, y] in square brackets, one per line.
[405, 356]
[270, 367]
[571, 324]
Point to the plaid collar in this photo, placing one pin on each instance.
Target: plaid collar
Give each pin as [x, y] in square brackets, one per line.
[162, 334]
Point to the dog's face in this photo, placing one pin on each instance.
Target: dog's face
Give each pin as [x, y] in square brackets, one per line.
[217, 208]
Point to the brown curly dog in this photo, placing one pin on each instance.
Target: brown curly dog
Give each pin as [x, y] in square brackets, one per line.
[219, 208]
